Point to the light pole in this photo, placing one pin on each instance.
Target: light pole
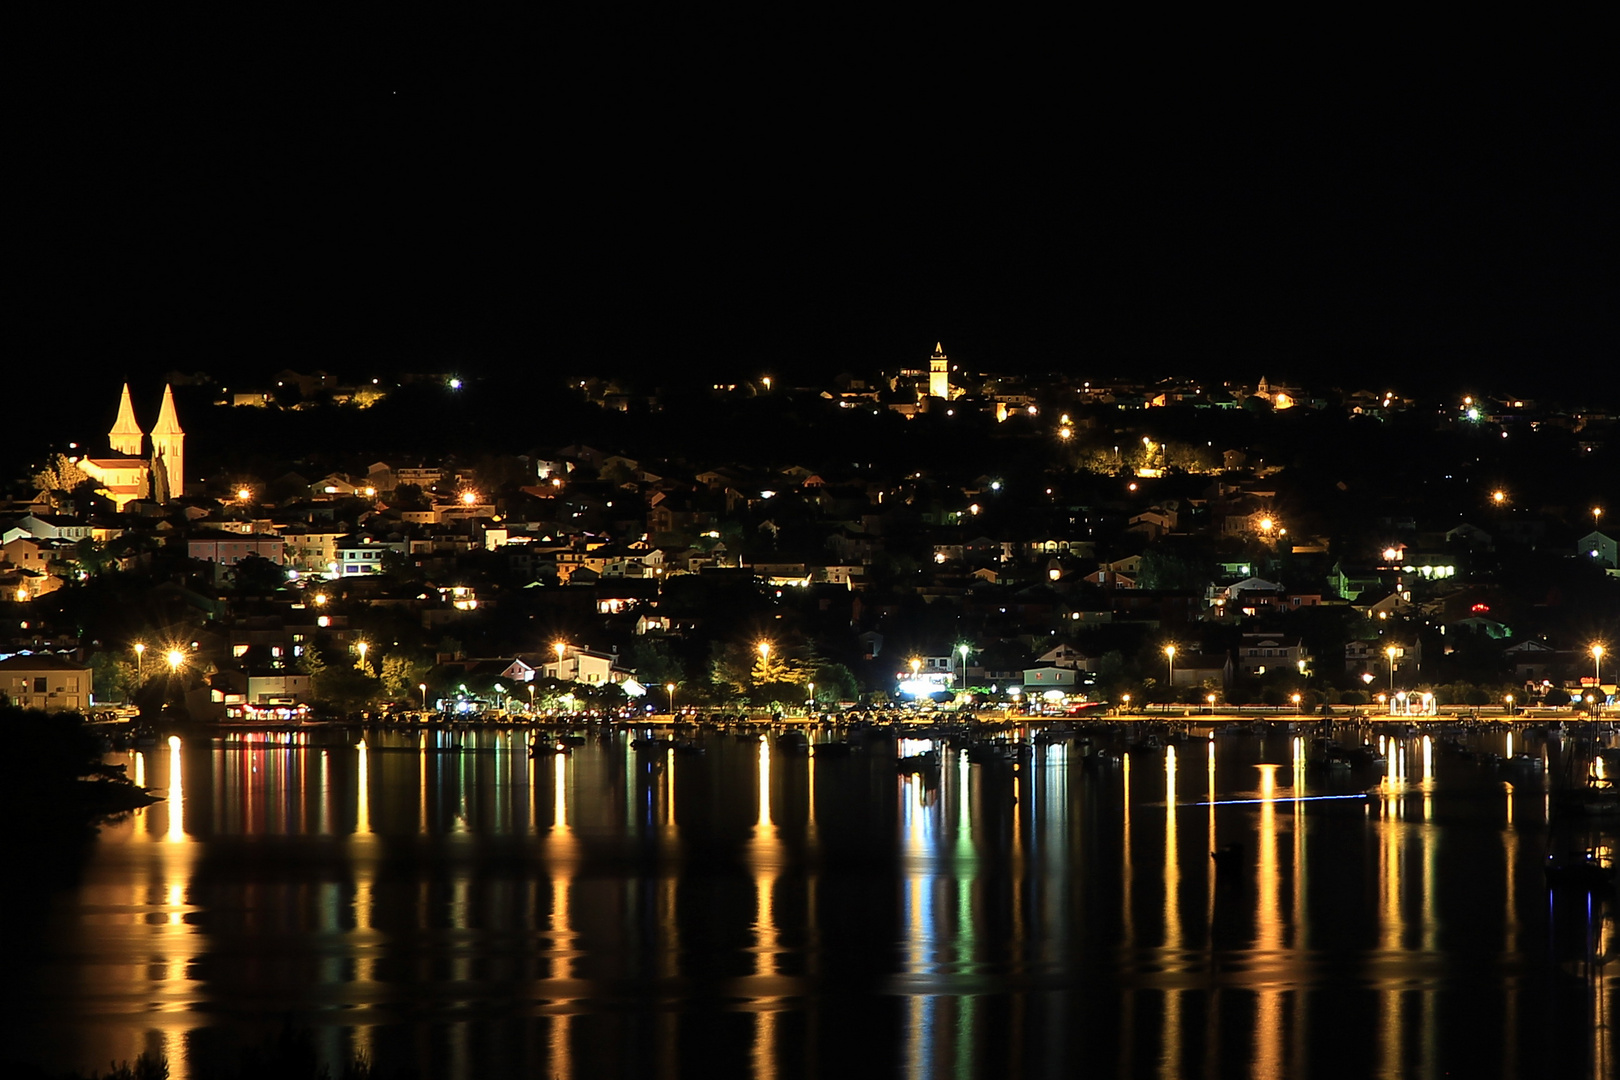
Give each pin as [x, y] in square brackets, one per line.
[531, 699]
[140, 658]
[361, 647]
[422, 686]
[963, 649]
[671, 688]
[1170, 654]
[1597, 665]
[812, 702]
[1390, 654]
[561, 648]
[175, 658]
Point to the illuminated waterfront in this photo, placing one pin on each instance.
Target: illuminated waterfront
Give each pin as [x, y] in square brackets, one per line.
[441, 901]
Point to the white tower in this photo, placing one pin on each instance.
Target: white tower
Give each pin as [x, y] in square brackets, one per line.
[126, 435]
[939, 373]
[169, 448]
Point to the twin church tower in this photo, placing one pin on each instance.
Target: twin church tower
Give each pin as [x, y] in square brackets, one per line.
[164, 471]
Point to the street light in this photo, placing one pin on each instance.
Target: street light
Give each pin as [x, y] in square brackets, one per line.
[1510, 704]
[1390, 654]
[1211, 700]
[561, 648]
[812, 702]
[1597, 665]
[1170, 653]
[671, 688]
[361, 647]
[963, 649]
[1296, 704]
[140, 657]
[422, 686]
[1125, 699]
[175, 658]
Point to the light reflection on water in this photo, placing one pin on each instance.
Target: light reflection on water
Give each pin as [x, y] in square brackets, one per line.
[443, 900]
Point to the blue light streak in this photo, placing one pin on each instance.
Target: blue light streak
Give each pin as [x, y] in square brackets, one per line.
[1297, 798]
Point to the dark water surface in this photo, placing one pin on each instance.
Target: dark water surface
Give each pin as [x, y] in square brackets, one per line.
[466, 912]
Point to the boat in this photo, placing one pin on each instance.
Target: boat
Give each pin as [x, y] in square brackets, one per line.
[1589, 869]
[927, 761]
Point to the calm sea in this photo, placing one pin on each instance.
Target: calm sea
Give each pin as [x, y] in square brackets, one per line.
[451, 908]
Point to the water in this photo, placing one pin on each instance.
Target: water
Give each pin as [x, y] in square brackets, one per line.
[442, 903]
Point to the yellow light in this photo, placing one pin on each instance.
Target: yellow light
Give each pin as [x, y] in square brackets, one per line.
[765, 650]
[1498, 496]
[1597, 652]
[320, 599]
[1170, 651]
[175, 658]
[468, 498]
[244, 493]
[1266, 524]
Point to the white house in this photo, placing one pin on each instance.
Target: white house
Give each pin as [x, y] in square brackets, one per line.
[45, 682]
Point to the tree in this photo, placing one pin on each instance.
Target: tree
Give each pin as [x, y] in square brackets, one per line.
[401, 674]
[257, 576]
[59, 475]
[114, 677]
[653, 664]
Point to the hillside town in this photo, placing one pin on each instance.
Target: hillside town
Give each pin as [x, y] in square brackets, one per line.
[993, 541]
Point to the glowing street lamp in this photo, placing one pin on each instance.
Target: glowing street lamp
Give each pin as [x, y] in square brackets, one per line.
[1509, 700]
[361, 647]
[812, 703]
[175, 658]
[1125, 700]
[1170, 654]
[1498, 496]
[244, 493]
[140, 657]
[1390, 653]
[963, 649]
[1211, 700]
[561, 648]
[1296, 704]
[671, 688]
[422, 686]
[469, 498]
[1597, 664]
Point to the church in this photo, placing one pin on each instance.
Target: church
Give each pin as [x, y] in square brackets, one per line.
[129, 473]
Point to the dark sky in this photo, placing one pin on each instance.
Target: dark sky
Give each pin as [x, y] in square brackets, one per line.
[376, 196]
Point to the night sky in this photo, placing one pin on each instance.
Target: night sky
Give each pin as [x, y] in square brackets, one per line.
[374, 197]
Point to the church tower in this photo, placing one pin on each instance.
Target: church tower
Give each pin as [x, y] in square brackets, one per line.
[939, 373]
[168, 451]
[126, 435]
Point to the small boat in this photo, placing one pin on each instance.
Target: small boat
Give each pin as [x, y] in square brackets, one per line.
[927, 761]
[1589, 869]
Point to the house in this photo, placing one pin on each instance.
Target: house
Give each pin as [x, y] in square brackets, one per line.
[586, 666]
[1195, 669]
[41, 681]
[1259, 653]
[228, 549]
[1532, 659]
[1600, 548]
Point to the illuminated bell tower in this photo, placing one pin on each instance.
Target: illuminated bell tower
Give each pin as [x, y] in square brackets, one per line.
[939, 373]
[169, 449]
[126, 435]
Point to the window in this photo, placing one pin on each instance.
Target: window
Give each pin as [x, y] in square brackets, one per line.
[39, 684]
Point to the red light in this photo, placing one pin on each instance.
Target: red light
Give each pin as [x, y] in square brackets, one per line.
[1480, 607]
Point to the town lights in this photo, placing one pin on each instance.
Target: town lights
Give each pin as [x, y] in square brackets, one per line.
[1498, 496]
[963, 649]
[244, 493]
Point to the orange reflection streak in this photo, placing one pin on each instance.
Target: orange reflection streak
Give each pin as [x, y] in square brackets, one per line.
[766, 943]
[421, 783]
[1125, 868]
[362, 787]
